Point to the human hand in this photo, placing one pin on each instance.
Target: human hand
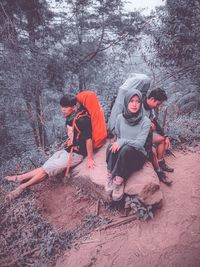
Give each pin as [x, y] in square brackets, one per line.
[90, 163]
[115, 147]
[167, 143]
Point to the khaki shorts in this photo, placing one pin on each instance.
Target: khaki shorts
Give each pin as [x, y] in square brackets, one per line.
[58, 162]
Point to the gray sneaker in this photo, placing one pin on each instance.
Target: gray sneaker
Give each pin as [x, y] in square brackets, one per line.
[118, 192]
[109, 186]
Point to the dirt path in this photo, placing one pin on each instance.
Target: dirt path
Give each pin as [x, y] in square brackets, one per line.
[172, 238]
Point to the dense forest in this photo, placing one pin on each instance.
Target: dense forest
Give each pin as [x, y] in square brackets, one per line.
[52, 47]
[48, 48]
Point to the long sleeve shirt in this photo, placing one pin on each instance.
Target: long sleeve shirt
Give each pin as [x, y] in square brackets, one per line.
[132, 135]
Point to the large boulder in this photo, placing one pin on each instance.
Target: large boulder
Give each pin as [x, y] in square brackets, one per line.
[92, 180]
[144, 183]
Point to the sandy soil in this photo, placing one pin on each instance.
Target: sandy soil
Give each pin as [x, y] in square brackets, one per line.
[172, 238]
[61, 207]
[66, 208]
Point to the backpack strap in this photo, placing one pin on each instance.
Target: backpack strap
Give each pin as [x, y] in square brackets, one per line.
[69, 161]
[74, 126]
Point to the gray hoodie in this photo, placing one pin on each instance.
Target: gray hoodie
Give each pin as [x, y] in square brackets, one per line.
[132, 135]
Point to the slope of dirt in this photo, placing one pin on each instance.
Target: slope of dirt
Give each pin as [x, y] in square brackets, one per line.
[27, 238]
[172, 238]
[64, 207]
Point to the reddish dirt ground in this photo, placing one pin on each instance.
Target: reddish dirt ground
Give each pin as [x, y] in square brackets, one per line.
[63, 206]
[172, 238]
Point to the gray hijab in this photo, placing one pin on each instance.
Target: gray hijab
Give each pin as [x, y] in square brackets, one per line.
[137, 81]
[132, 118]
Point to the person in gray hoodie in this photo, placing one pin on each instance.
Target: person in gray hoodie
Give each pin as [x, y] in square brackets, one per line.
[127, 154]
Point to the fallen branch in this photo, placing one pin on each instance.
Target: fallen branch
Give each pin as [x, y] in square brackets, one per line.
[118, 222]
[97, 207]
[90, 241]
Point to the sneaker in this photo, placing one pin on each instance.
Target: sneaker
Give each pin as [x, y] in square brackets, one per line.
[165, 167]
[118, 192]
[109, 186]
[163, 178]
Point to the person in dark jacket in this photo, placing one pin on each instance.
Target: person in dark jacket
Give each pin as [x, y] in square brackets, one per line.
[127, 154]
[82, 147]
[161, 141]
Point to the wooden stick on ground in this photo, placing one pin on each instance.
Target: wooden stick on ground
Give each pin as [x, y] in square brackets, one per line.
[97, 207]
[118, 222]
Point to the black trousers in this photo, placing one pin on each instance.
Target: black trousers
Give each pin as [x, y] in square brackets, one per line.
[124, 162]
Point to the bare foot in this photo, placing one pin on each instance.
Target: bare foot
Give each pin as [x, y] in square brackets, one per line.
[14, 194]
[13, 178]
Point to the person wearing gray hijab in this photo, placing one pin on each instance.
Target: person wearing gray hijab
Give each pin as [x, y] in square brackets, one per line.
[137, 81]
[127, 154]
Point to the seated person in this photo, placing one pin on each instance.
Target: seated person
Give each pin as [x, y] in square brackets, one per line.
[127, 154]
[81, 142]
[160, 141]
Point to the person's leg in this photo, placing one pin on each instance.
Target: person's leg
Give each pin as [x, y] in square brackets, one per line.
[38, 177]
[29, 175]
[128, 161]
[155, 158]
[53, 166]
[110, 160]
[23, 176]
[159, 141]
[158, 158]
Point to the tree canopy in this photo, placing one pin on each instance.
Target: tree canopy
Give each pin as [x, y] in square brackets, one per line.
[44, 49]
[177, 37]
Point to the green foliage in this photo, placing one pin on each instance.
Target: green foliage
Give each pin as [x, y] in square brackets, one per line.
[93, 27]
[44, 51]
[177, 37]
[20, 16]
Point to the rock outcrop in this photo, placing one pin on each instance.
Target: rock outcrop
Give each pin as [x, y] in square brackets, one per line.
[143, 184]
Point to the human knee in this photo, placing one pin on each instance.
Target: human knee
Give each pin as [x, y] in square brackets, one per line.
[126, 150]
[42, 173]
[161, 139]
[40, 178]
[158, 139]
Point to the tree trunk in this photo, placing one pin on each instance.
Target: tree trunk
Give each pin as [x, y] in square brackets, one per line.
[81, 79]
[37, 122]
[42, 136]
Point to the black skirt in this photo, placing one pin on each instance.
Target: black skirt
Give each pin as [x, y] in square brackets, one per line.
[125, 161]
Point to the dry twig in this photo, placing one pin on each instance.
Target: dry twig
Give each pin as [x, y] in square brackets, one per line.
[118, 222]
[97, 207]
